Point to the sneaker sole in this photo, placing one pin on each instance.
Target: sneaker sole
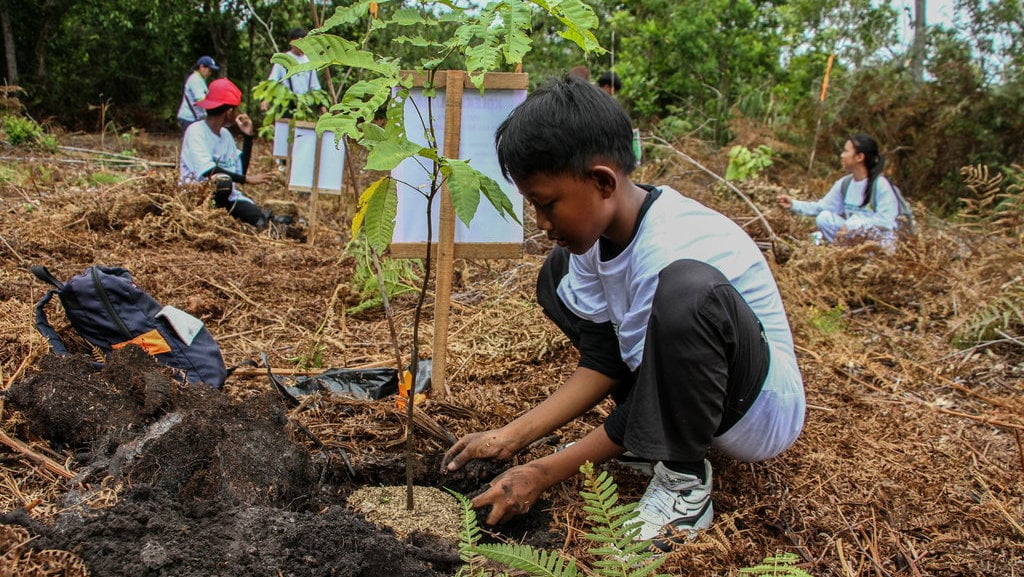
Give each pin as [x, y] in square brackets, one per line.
[686, 534]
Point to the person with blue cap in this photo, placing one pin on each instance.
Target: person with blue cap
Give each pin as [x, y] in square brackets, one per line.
[195, 90]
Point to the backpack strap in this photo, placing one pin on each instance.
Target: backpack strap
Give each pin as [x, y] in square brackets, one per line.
[44, 327]
[845, 185]
[184, 96]
[42, 323]
[874, 195]
[43, 274]
[276, 385]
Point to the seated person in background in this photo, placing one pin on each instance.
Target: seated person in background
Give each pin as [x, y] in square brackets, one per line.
[859, 206]
[208, 149]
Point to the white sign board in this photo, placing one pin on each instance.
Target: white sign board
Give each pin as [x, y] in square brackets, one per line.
[304, 159]
[481, 115]
[282, 128]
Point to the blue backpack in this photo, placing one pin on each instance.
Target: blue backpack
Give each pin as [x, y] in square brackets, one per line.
[904, 214]
[110, 311]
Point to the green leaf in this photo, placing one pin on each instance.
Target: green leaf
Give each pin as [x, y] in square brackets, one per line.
[389, 153]
[359, 104]
[518, 23]
[339, 125]
[464, 187]
[330, 50]
[409, 17]
[497, 197]
[375, 215]
[579, 21]
[536, 563]
[346, 15]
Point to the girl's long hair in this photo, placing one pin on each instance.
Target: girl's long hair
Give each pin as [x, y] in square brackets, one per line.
[875, 163]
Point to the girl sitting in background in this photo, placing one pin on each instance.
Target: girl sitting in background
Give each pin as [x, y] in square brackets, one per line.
[860, 206]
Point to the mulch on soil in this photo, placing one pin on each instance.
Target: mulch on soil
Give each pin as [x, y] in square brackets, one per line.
[911, 461]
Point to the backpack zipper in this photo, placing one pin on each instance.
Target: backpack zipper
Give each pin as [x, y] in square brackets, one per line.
[102, 292]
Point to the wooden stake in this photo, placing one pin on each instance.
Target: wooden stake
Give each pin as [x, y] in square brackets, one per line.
[446, 238]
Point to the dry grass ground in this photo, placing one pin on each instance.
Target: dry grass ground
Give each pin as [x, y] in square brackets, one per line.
[911, 462]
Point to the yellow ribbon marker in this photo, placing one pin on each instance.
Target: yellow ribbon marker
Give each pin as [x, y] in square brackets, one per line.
[828, 72]
[404, 386]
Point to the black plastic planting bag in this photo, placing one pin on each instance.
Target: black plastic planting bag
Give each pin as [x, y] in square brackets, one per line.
[371, 384]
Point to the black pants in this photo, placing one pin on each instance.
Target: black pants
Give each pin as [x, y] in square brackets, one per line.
[705, 360]
[246, 212]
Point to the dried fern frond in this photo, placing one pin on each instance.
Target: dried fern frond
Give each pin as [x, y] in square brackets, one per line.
[989, 204]
[983, 188]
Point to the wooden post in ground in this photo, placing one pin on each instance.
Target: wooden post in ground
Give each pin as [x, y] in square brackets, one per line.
[446, 237]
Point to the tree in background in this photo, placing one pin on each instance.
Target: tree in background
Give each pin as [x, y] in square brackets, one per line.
[689, 67]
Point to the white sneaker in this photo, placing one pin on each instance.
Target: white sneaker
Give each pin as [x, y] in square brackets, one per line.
[674, 503]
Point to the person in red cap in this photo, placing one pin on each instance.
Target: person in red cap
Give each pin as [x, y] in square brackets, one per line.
[208, 151]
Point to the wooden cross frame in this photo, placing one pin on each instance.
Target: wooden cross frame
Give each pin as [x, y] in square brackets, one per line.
[446, 249]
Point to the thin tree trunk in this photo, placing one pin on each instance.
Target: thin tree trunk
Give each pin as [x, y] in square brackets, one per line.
[9, 48]
[51, 12]
[917, 49]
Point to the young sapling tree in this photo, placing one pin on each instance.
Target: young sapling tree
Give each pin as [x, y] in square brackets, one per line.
[485, 38]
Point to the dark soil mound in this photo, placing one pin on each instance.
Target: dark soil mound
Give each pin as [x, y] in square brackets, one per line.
[149, 532]
[216, 486]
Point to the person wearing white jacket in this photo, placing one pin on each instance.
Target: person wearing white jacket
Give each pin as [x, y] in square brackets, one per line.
[860, 206]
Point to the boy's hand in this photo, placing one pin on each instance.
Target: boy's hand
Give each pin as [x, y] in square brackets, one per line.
[512, 493]
[491, 444]
[259, 178]
[785, 201]
[244, 123]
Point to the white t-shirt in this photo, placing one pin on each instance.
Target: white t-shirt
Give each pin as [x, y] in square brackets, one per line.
[621, 290]
[202, 150]
[300, 83]
[195, 90]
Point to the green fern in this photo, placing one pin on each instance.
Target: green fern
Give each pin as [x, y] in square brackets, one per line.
[399, 275]
[614, 530]
[781, 565]
[535, 562]
[469, 536]
[1004, 314]
[613, 533]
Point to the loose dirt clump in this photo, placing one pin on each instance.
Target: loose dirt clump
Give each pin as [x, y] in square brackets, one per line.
[217, 486]
[149, 532]
[134, 423]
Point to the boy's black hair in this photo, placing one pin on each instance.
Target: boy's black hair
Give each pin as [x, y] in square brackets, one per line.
[296, 33]
[562, 128]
